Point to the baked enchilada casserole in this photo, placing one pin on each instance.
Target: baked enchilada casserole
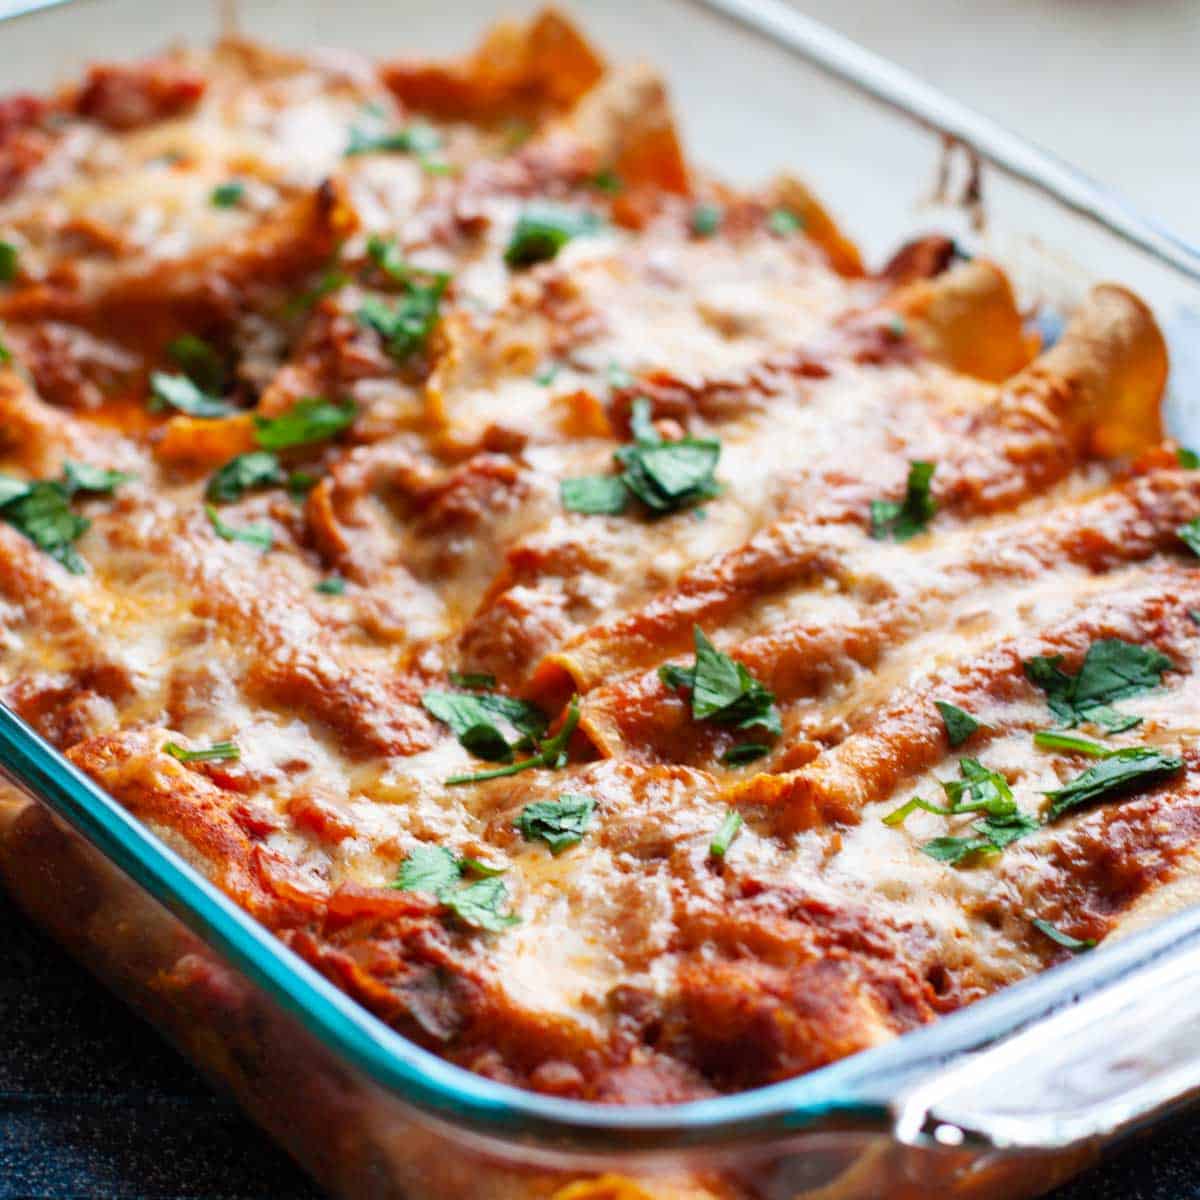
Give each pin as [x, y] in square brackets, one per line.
[635, 648]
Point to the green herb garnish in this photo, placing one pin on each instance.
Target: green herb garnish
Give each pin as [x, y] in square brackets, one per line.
[42, 512]
[12, 489]
[991, 835]
[332, 585]
[472, 719]
[747, 752]
[259, 468]
[664, 476]
[550, 752]
[559, 823]
[731, 826]
[312, 419]
[200, 362]
[542, 230]
[1051, 739]
[960, 725]
[475, 680]
[783, 222]
[1190, 534]
[218, 752]
[436, 870]
[418, 138]
[1117, 775]
[595, 495]
[253, 535]
[429, 869]
[41, 509]
[83, 477]
[329, 282]
[1112, 670]
[1188, 459]
[226, 195]
[8, 262]
[546, 374]
[1074, 944]
[723, 691]
[405, 326]
[182, 393]
[904, 519]
[608, 181]
[706, 219]
[977, 789]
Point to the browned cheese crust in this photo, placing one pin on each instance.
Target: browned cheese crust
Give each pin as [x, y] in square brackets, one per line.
[644, 967]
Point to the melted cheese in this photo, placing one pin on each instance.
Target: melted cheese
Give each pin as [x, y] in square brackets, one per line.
[640, 956]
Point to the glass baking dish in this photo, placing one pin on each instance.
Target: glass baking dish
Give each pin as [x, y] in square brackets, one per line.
[1006, 1098]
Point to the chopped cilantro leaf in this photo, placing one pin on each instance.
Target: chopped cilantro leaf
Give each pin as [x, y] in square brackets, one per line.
[1111, 670]
[428, 868]
[960, 725]
[329, 282]
[904, 519]
[747, 752]
[300, 483]
[418, 138]
[608, 181]
[218, 752]
[83, 477]
[1065, 940]
[664, 476]
[405, 326]
[478, 681]
[706, 219]
[983, 789]
[977, 789]
[226, 195]
[182, 393]
[472, 719]
[479, 904]
[546, 374]
[12, 489]
[783, 222]
[200, 362]
[595, 495]
[1050, 739]
[253, 535]
[42, 512]
[542, 230]
[259, 468]
[312, 419]
[1190, 534]
[331, 585]
[482, 869]
[723, 691]
[1117, 775]
[991, 835]
[550, 753]
[731, 826]
[1188, 459]
[559, 823]
[8, 262]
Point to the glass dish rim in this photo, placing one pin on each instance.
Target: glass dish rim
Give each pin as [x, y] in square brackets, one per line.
[858, 1090]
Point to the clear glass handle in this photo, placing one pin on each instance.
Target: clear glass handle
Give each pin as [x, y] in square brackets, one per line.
[1100, 1067]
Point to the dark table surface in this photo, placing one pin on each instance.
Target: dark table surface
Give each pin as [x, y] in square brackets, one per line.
[94, 1107]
